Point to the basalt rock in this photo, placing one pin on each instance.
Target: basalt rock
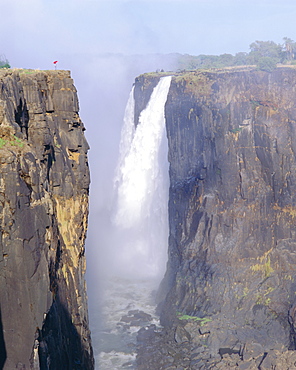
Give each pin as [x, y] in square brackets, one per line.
[44, 184]
[142, 92]
[230, 280]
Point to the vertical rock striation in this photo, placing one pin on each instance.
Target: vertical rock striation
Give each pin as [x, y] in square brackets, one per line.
[229, 291]
[44, 184]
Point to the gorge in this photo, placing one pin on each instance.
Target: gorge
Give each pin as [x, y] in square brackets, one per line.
[138, 234]
[227, 299]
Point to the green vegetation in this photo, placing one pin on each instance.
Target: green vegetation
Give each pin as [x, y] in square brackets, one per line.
[264, 54]
[262, 300]
[27, 71]
[201, 320]
[14, 141]
[4, 62]
[265, 268]
[236, 130]
[196, 82]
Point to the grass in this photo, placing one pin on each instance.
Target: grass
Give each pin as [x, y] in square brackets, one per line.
[196, 83]
[201, 320]
[265, 268]
[14, 141]
[236, 130]
[28, 71]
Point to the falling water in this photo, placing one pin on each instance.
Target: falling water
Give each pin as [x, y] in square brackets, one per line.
[140, 230]
[141, 186]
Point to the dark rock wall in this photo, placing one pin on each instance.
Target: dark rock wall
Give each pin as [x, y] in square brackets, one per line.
[142, 92]
[232, 208]
[44, 183]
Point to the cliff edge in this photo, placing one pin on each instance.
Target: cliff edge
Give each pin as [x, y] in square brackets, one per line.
[44, 185]
[228, 297]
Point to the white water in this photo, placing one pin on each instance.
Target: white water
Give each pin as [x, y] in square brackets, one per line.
[116, 340]
[140, 232]
[141, 187]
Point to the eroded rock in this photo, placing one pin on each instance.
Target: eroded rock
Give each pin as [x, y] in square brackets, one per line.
[232, 141]
[44, 180]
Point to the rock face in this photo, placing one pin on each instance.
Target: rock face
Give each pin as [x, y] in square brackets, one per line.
[228, 298]
[44, 184]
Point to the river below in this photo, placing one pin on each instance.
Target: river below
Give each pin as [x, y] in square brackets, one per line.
[125, 307]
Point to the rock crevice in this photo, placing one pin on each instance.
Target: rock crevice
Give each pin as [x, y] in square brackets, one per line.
[232, 238]
[44, 184]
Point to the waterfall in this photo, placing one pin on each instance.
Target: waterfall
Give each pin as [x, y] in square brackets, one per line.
[135, 253]
[141, 187]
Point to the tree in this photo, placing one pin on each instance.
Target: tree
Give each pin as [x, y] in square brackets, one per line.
[265, 49]
[265, 54]
[4, 62]
[241, 59]
[267, 64]
[289, 47]
[226, 60]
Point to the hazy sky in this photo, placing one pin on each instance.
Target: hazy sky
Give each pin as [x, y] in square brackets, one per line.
[34, 33]
[77, 33]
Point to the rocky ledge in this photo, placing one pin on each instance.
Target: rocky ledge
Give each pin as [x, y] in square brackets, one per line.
[228, 299]
[44, 184]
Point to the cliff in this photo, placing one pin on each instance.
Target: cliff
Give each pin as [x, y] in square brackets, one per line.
[228, 296]
[44, 184]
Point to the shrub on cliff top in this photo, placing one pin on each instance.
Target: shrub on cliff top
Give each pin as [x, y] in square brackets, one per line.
[267, 64]
[265, 54]
[4, 62]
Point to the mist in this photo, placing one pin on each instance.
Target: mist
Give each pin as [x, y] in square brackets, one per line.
[106, 44]
[111, 85]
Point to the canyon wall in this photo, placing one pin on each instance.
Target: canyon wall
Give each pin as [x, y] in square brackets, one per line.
[44, 185]
[228, 298]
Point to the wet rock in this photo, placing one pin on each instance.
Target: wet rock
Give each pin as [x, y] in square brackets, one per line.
[231, 215]
[248, 365]
[136, 318]
[267, 362]
[181, 335]
[253, 351]
[146, 333]
[44, 208]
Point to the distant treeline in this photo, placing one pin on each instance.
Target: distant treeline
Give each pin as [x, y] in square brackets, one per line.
[265, 54]
[4, 62]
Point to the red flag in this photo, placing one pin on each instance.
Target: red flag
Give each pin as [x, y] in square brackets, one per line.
[55, 62]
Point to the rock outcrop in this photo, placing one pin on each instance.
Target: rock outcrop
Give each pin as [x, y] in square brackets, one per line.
[44, 185]
[229, 295]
